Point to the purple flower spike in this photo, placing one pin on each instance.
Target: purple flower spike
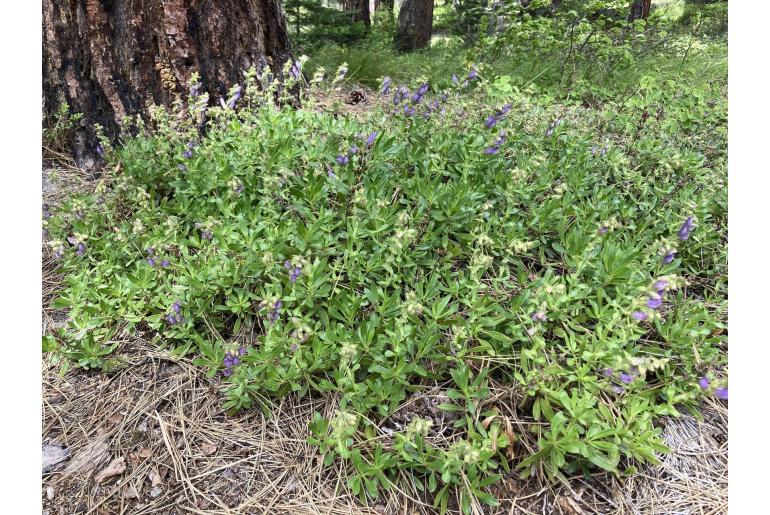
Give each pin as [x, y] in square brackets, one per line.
[242, 351]
[506, 108]
[81, 249]
[491, 151]
[455, 81]
[654, 303]
[165, 263]
[473, 74]
[617, 388]
[342, 160]
[490, 122]
[228, 361]
[668, 257]
[371, 138]
[151, 261]
[640, 316]
[703, 382]
[177, 307]
[721, 393]
[386, 85]
[608, 372]
[603, 230]
[171, 319]
[187, 154]
[353, 150]
[686, 229]
[660, 285]
[625, 378]
[227, 372]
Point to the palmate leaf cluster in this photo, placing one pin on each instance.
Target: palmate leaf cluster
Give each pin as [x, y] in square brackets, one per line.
[372, 259]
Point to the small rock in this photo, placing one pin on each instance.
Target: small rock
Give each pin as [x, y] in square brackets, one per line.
[50, 493]
[156, 491]
[116, 466]
[53, 454]
[208, 449]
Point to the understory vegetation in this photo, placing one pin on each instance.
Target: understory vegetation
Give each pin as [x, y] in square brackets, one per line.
[541, 236]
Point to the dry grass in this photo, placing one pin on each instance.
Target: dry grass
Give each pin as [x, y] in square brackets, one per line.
[163, 416]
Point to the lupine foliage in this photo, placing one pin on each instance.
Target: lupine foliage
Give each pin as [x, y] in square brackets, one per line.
[468, 234]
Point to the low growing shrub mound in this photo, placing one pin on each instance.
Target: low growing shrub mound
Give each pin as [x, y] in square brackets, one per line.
[470, 249]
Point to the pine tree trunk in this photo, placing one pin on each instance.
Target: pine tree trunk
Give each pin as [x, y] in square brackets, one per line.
[108, 58]
[415, 25]
[640, 9]
[360, 9]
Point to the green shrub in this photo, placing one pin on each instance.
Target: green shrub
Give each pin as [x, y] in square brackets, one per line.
[476, 238]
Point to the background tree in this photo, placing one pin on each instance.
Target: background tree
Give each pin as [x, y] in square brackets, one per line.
[108, 59]
[640, 10]
[360, 10]
[415, 25]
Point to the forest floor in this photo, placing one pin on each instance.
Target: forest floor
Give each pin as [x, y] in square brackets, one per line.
[151, 437]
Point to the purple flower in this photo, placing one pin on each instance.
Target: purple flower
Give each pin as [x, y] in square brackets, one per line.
[608, 372]
[603, 230]
[177, 307]
[187, 154]
[423, 89]
[491, 150]
[234, 98]
[490, 122]
[150, 261]
[721, 393]
[640, 316]
[242, 351]
[704, 383]
[473, 73]
[625, 378]
[59, 252]
[409, 111]
[171, 319]
[552, 127]
[668, 257]
[617, 388]
[81, 249]
[194, 90]
[654, 303]
[660, 286]
[686, 229]
[227, 372]
[294, 70]
[165, 263]
[343, 160]
[506, 108]
[294, 347]
[207, 234]
[182, 167]
[353, 150]
[371, 139]
[275, 311]
[385, 85]
[455, 81]
[330, 173]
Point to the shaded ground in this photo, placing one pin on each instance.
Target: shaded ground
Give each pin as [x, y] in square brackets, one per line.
[157, 424]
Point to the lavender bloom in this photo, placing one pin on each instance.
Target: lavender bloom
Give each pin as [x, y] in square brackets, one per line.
[603, 230]
[506, 108]
[81, 249]
[385, 85]
[151, 261]
[187, 154]
[228, 361]
[100, 150]
[177, 307]
[491, 151]
[59, 252]
[608, 372]
[721, 393]
[660, 286]
[617, 388]
[353, 150]
[703, 382]
[330, 173]
[294, 271]
[165, 263]
[423, 89]
[235, 97]
[294, 70]
[473, 74]
[640, 316]
[242, 351]
[686, 229]
[490, 122]
[194, 90]
[654, 303]
[150, 251]
[455, 81]
[343, 160]
[227, 372]
[409, 111]
[625, 378]
[275, 312]
[668, 257]
[371, 139]
[206, 234]
[171, 319]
